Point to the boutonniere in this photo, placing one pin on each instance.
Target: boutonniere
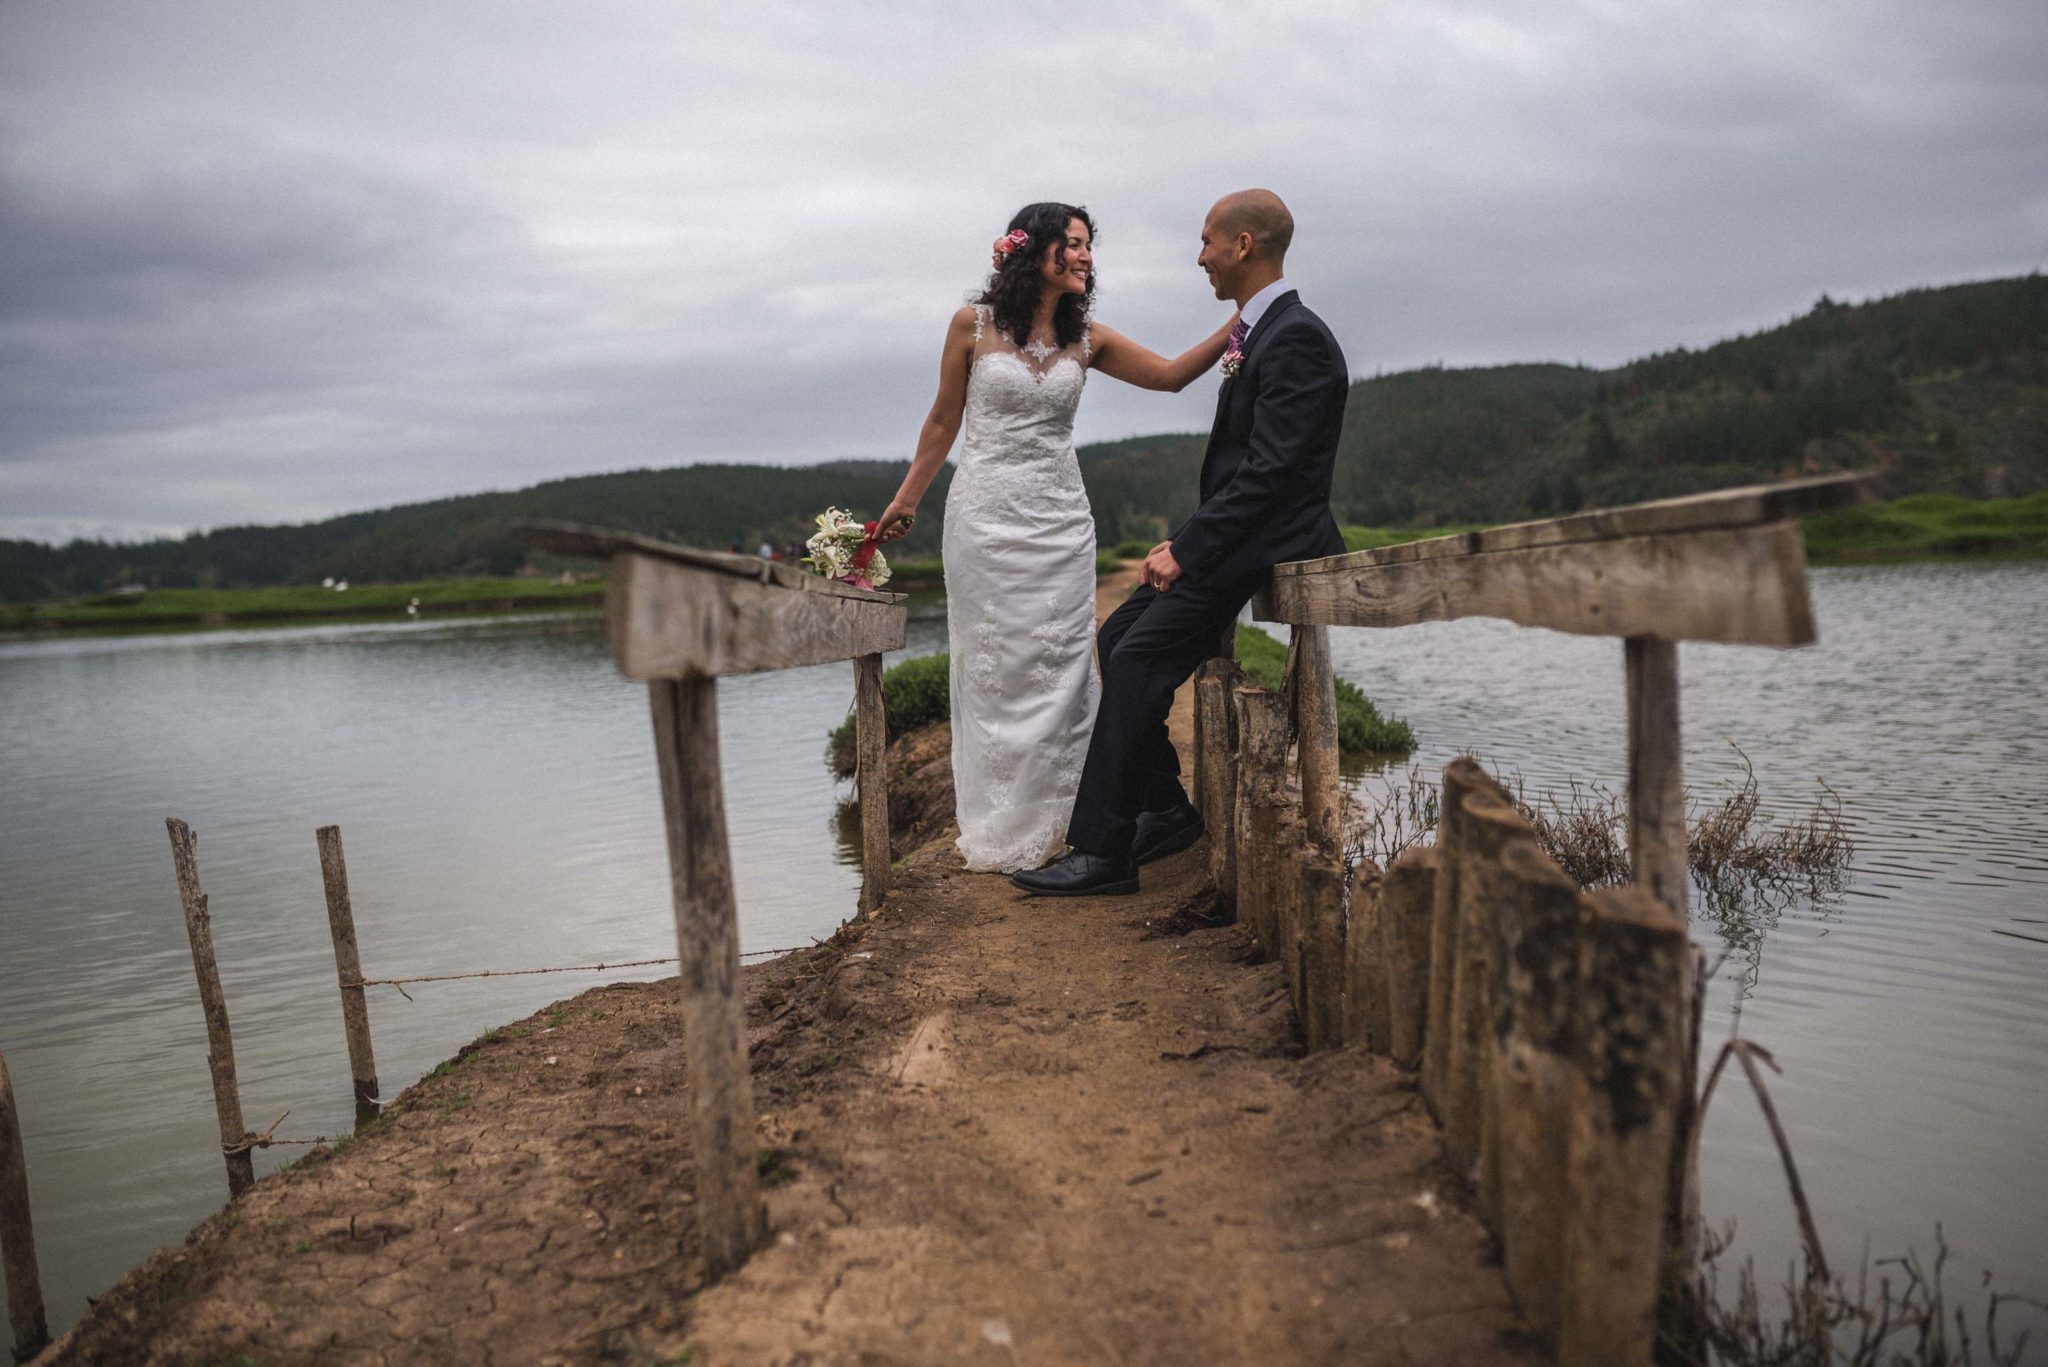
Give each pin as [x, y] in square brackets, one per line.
[1233, 361]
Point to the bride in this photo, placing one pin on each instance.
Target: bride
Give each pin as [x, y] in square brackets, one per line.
[1019, 537]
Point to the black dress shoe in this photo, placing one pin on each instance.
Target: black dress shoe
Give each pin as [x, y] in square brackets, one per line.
[1081, 874]
[1164, 833]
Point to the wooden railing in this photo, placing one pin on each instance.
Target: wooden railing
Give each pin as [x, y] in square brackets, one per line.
[1555, 1033]
[679, 619]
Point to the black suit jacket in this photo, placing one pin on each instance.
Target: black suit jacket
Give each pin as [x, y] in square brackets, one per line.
[1266, 476]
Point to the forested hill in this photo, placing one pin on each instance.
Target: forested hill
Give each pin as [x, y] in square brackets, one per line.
[1947, 389]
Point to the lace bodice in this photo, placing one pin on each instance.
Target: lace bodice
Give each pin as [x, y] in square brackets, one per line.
[1019, 423]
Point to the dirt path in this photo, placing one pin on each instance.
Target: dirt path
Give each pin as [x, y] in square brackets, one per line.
[1003, 1130]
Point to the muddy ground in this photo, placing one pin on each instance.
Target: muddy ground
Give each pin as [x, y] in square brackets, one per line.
[995, 1130]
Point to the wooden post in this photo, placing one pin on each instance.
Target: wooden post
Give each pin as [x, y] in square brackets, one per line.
[1461, 777]
[1216, 775]
[872, 724]
[1538, 930]
[1471, 1127]
[220, 1041]
[731, 1220]
[1656, 779]
[1626, 1084]
[1319, 897]
[17, 1233]
[1407, 898]
[1365, 974]
[1316, 726]
[348, 969]
[1262, 763]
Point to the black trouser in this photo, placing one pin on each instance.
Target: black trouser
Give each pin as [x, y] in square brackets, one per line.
[1147, 649]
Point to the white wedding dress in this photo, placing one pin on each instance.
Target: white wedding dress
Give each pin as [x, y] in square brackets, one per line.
[1020, 603]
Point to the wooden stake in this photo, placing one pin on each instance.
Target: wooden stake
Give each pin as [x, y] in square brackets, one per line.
[1316, 726]
[731, 1220]
[1656, 779]
[1471, 1126]
[1216, 775]
[17, 1233]
[1262, 763]
[872, 723]
[1365, 974]
[1626, 1084]
[1407, 898]
[348, 969]
[1319, 884]
[1461, 777]
[1538, 930]
[220, 1042]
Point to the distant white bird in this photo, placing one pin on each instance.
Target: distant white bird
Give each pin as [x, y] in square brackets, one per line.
[328, 582]
[341, 586]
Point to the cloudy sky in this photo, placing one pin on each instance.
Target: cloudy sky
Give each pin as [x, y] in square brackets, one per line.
[268, 262]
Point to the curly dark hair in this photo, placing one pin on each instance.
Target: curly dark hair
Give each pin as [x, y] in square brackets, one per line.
[1015, 286]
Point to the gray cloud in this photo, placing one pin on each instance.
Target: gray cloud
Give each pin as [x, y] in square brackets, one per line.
[275, 262]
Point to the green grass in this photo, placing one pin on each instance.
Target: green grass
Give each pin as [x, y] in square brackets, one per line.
[1930, 526]
[1361, 729]
[202, 607]
[1372, 538]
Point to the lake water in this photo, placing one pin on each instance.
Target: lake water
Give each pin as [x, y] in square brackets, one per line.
[494, 781]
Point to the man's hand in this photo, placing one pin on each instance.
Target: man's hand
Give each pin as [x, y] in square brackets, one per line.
[1161, 569]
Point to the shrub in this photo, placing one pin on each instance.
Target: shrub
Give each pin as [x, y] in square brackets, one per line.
[1131, 550]
[1361, 729]
[915, 692]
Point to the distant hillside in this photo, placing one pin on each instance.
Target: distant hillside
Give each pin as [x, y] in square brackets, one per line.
[1946, 389]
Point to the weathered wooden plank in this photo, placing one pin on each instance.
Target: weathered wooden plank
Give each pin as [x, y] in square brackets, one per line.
[1626, 1082]
[1656, 779]
[1315, 724]
[25, 1315]
[599, 543]
[1407, 905]
[213, 1002]
[872, 732]
[670, 620]
[1538, 928]
[348, 968]
[1743, 587]
[731, 1220]
[1749, 506]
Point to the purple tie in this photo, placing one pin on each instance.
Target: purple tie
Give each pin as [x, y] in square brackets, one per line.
[1238, 332]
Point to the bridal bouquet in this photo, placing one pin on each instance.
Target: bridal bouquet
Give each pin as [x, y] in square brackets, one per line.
[847, 550]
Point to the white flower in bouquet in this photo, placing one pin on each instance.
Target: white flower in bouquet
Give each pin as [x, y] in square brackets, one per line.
[835, 549]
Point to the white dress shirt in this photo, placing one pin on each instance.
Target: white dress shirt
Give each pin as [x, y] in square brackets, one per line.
[1256, 306]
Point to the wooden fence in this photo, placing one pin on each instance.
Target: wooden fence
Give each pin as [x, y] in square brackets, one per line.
[679, 619]
[1555, 1033]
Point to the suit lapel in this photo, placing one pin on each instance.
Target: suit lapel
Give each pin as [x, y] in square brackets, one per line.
[1265, 323]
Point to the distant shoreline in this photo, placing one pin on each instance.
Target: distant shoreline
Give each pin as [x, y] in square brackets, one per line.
[1924, 528]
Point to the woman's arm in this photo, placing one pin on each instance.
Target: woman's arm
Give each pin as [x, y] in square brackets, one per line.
[1120, 358]
[941, 426]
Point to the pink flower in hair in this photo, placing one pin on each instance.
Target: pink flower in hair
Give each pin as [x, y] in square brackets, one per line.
[1007, 243]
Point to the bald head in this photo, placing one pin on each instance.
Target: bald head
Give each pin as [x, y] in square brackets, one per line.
[1260, 215]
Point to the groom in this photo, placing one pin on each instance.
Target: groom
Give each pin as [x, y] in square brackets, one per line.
[1265, 499]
